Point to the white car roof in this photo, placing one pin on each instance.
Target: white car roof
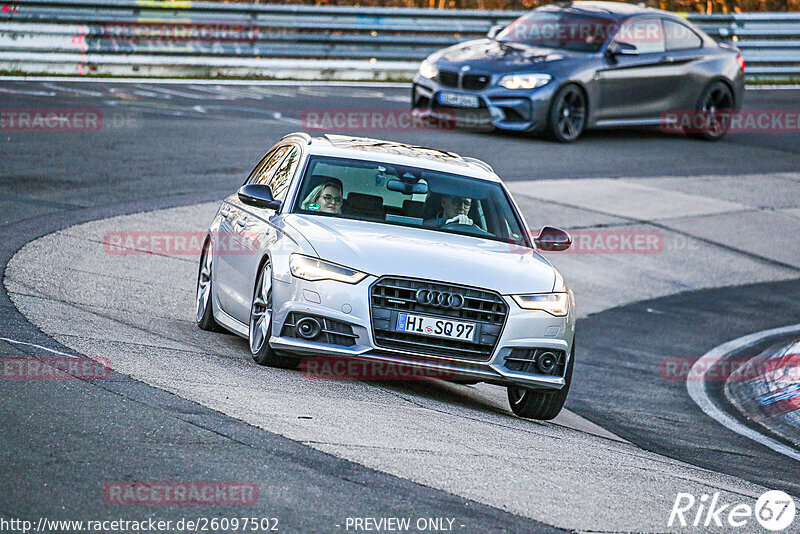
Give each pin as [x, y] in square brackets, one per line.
[364, 148]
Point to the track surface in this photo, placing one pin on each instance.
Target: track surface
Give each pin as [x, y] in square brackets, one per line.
[176, 154]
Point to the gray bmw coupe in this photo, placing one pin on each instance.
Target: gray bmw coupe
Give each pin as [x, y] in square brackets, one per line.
[566, 67]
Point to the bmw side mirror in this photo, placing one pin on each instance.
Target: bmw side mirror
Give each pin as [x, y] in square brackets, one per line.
[552, 239]
[622, 49]
[258, 196]
[494, 30]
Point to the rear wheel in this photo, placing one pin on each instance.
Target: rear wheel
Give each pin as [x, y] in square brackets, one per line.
[203, 296]
[714, 108]
[261, 323]
[536, 404]
[567, 117]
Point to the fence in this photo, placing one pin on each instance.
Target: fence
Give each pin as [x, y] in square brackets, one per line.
[155, 38]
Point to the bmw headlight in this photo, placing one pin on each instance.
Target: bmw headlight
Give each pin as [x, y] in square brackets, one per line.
[525, 81]
[314, 269]
[553, 303]
[428, 70]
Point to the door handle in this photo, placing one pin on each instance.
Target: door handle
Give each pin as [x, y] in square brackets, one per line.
[668, 59]
[225, 213]
[242, 222]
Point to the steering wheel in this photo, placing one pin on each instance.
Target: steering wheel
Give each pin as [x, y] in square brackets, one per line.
[467, 229]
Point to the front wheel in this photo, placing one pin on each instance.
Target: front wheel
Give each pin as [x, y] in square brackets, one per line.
[567, 117]
[203, 297]
[261, 323]
[542, 405]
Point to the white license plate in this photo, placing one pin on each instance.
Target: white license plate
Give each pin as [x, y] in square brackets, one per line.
[457, 100]
[432, 326]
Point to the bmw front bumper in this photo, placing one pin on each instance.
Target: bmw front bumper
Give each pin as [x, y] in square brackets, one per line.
[518, 110]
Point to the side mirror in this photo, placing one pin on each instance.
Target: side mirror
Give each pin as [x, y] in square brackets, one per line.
[552, 239]
[494, 30]
[258, 196]
[621, 49]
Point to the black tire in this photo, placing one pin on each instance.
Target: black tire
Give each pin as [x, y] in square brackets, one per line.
[538, 404]
[261, 323]
[716, 103]
[566, 119]
[204, 292]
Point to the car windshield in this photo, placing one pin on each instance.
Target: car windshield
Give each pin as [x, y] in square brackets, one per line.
[408, 196]
[560, 29]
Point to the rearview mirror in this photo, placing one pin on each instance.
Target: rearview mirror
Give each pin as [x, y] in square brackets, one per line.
[407, 188]
[258, 196]
[552, 239]
[494, 30]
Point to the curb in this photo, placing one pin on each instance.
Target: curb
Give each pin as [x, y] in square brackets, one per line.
[771, 398]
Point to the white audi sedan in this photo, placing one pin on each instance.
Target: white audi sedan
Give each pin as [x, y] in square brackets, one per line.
[340, 247]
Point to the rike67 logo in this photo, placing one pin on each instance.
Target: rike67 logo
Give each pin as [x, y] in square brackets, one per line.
[774, 510]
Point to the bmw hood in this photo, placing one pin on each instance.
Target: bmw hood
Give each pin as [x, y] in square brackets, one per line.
[488, 55]
[382, 249]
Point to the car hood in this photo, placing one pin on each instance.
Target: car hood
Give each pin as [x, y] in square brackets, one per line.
[382, 249]
[488, 55]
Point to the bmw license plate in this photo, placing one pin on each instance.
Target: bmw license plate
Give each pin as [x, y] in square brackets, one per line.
[458, 100]
[432, 326]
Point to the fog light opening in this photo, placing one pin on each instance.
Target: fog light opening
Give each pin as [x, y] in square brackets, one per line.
[546, 362]
[308, 328]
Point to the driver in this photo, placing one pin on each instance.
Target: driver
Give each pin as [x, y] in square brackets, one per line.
[454, 211]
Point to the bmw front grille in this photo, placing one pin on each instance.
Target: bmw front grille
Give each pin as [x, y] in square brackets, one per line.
[390, 296]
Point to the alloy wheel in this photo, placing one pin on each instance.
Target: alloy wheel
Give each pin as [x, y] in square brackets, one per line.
[261, 311]
[203, 294]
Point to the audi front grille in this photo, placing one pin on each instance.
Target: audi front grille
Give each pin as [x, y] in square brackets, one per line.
[390, 296]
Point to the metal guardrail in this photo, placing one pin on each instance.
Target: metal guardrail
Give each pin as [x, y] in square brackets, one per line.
[157, 37]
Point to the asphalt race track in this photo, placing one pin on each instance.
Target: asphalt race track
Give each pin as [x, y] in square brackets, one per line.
[187, 405]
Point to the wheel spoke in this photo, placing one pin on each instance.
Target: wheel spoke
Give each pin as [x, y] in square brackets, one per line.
[570, 130]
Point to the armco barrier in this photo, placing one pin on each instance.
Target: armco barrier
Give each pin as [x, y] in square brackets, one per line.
[159, 38]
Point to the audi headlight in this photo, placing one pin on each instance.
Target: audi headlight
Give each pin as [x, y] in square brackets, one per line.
[525, 81]
[428, 70]
[314, 269]
[553, 303]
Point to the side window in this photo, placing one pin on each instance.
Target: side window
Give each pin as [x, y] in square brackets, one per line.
[258, 167]
[263, 175]
[680, 36]
[283, 176]
[644, 35]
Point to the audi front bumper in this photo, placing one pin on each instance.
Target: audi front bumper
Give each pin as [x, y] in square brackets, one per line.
[523, 335]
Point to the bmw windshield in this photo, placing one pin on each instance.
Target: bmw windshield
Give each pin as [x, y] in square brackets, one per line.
[560, 29]
[408, 196]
